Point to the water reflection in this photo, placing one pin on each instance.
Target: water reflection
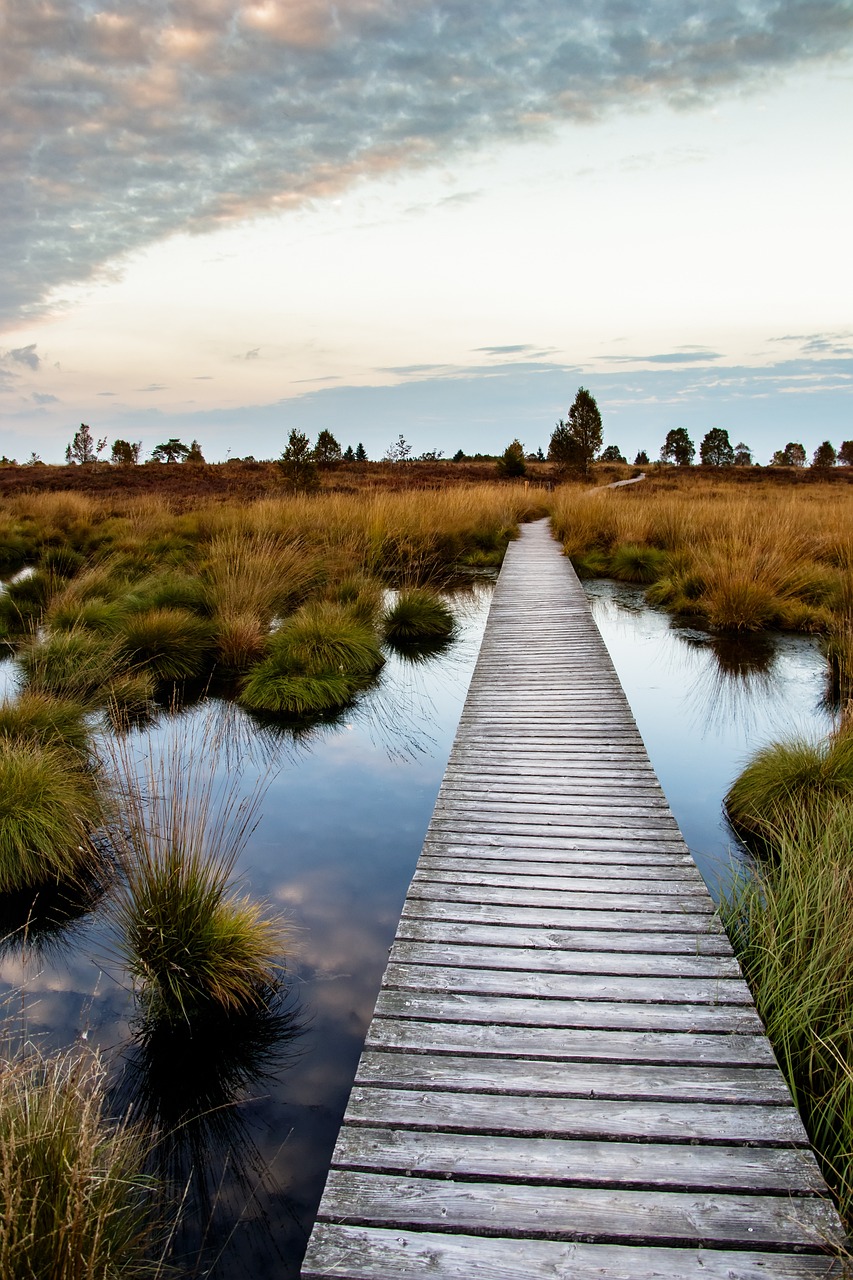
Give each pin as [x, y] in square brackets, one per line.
[704, 704]
[192, 1085]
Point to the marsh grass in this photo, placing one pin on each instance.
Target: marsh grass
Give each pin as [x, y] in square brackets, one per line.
[191, 942]
[49, 805]
[800, 777]
[318, 660]
[53, 722]
[789, 922]
[76, 1199]
[417, 615]
[170, 643]
[737, 558]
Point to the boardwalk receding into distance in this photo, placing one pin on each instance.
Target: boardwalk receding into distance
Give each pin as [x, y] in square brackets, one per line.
[565, 1075]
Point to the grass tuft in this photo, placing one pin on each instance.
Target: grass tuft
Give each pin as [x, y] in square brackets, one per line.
[48, 807]
[76, 1200]
[52, 722]
[192, 944]
[417, 614]
[172, 644]
[801, 777]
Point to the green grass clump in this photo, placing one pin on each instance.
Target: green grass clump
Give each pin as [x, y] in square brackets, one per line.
[632, 563]
[789, 922]
[36, 717]
[77, 665]
[417, 614]
[790, 780]
[48, 805]
[318, 660]
[172, 644]
[76, 1199]
[191, 942]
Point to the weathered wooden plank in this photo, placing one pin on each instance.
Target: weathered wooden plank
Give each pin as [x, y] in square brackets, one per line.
[565, 1117]
[572, 1079]
[541, 851]
[633, 876]
[563, 829]
[567, 986]
[577, 1162]
[588, 838]
[682, 902]
[359, 1253]
[580, 1213]
[499, 878]
[562, 917]
[495, 934]
[571, 1044]
[551, 960]
[605, 1014]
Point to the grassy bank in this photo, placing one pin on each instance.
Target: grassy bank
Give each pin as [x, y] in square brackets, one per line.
[790, 926]
[729, 556]
[128, 596]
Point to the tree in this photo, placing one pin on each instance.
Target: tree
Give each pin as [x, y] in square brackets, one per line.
[327, 450]
[196, 456]
[743, 455]
[540, 456]
[845, 453]
[349, 455]
[575, 443]
[458, 456]
[398, 451]
[678, 448]
[824, 455]
[83, 448]
[360, 453]
[642, 459]
[793, 455]
[298, 464]
[716, 450]
[124, 453]
[172, 451]
[612, 454]
[511, 462]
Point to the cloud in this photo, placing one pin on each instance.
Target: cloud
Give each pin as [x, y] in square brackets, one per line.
[687, 356]
[254, 354]
[25, 355]
[154, 386]
[131, 121]
[42, 397]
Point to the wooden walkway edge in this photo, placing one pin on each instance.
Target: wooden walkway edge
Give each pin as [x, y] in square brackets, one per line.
[565, 1076]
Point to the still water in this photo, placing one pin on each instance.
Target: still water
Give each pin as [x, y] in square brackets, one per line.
[344, 811]
[704, 704]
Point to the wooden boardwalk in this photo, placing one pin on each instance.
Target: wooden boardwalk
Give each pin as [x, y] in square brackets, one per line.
[565, 1076]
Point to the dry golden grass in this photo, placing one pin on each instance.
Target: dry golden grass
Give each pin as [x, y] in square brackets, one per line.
[740, 557]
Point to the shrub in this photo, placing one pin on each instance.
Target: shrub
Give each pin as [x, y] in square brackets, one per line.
[417, 614]
[75, 1196]
[48, 806]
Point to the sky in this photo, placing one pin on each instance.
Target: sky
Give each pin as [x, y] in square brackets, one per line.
[224, 221]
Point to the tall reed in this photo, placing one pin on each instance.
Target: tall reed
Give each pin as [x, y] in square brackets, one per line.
[190, 940]
[76, 1200]
[789, 922]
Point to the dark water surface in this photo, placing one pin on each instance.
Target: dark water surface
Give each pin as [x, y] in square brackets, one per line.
[344, 815]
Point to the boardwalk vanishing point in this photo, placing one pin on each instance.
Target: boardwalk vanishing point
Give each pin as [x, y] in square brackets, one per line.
[565, 1075]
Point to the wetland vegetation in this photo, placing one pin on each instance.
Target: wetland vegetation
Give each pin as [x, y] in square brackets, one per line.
[120, 610]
